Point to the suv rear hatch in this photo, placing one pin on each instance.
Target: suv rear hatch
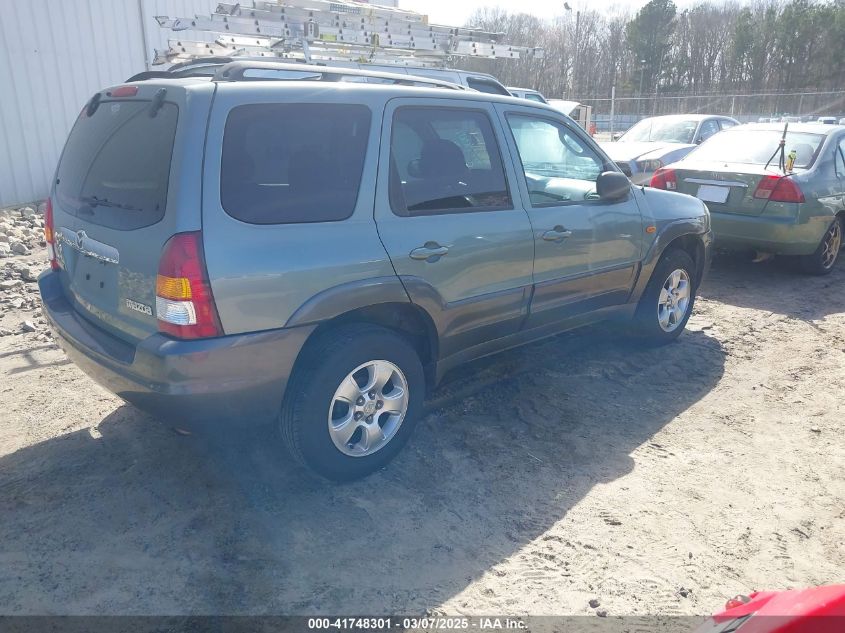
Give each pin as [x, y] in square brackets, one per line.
[118, 186]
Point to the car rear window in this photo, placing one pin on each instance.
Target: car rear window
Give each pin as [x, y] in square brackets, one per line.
[290, 163]
[115, 167]
[756, 147]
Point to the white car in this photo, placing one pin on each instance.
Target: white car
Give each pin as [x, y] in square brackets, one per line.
[527, 93]
[657, 141]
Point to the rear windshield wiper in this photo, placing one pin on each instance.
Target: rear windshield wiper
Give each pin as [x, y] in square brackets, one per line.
[94, 201]
[781, 149]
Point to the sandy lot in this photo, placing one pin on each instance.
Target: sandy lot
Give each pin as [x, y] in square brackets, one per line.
[658, 481]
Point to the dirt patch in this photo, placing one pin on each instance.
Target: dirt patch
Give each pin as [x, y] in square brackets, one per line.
[579, 468]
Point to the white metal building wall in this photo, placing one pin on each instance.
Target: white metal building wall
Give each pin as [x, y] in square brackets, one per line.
[54, 54]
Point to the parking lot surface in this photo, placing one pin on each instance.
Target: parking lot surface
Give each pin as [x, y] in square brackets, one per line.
[581, 467]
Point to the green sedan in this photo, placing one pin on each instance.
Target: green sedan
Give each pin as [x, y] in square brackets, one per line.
[757, 201]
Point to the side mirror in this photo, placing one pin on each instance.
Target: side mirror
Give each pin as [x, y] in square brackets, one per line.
[699, 140]
[611, 185]
[616, 136]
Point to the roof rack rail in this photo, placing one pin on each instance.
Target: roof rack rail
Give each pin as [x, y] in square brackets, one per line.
[237, 71]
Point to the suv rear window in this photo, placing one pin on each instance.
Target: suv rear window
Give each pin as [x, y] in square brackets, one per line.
[116, 164]
[290, 163]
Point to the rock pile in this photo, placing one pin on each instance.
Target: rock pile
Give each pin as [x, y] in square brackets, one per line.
[21, 260]
[21, 230]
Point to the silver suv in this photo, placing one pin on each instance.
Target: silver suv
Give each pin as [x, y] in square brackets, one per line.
[322, 251]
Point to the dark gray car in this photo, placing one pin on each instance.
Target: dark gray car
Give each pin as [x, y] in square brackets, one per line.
[322, 252]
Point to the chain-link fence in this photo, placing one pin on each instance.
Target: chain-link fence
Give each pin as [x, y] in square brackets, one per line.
[743, 107]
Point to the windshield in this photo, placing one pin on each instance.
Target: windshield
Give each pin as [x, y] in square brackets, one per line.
[660, 129]
[756, 147]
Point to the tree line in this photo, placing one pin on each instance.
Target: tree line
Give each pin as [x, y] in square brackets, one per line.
[707, 48]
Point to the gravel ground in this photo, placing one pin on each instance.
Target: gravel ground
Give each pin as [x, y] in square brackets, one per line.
[579, 468]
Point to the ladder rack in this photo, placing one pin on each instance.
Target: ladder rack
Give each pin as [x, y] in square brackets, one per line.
[327, 30]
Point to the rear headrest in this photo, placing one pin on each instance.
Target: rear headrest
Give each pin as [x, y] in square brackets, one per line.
[307, 170]
[442, 159]
[239, 170]
[804, 153]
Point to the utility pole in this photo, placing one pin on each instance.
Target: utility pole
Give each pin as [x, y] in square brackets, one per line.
[642, 71]
[612, 108]
[573, 85]
[657, 87]
[575, 57]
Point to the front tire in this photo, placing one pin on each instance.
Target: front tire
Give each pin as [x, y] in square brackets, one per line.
[667, 302]
[352, 401]
[827, 254]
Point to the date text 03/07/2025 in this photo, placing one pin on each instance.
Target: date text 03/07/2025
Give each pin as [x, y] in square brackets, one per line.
[405, 623]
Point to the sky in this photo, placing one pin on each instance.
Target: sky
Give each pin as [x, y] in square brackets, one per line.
[456, 12]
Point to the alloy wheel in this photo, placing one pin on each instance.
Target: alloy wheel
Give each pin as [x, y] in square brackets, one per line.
[674, 300]
[368, 408]
[831, 243]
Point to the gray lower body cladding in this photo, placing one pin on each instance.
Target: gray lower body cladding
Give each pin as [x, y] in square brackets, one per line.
[241, 377]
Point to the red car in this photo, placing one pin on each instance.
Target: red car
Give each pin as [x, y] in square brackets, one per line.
[813, 610]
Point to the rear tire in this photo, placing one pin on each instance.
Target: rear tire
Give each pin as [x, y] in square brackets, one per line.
[352, 401]
[668, 300]
[827, 254]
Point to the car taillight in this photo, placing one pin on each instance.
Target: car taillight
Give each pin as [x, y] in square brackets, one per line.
[664, 178]
[184, 303]
[49, 235]
[779, 189]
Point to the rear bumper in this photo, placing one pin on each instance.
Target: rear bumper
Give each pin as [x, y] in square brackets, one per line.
[240, 377]
[778, 235]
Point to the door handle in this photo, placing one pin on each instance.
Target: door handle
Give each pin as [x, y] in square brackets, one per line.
[556, 234]
[429, 252]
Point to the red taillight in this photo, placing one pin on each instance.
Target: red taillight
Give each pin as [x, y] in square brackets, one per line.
[49, 235]
[664, 178]
[184, 303]
[779, 189]
[124, 91]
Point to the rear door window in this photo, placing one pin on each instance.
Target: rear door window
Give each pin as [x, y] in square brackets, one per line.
[708, 129]
[839, 158]
[290, 163]
[115, 168]
[445, 160]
